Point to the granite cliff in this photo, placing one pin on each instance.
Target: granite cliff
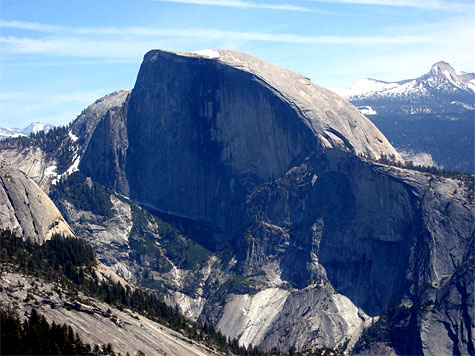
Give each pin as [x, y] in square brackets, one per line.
[207, 131]
[26, 209]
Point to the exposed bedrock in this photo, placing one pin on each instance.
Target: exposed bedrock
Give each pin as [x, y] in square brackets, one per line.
[198, 134]
[26, 210]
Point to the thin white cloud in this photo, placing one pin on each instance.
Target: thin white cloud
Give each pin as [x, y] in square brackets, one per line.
[33, 26]
[424, 4]
[241, 4]
[130, 42]
[67, 40]
[127, 49]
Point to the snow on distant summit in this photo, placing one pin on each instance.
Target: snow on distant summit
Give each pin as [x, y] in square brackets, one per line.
[13, 132]
[441, 76]
[434, 91]
[34, 128]
[429, 119]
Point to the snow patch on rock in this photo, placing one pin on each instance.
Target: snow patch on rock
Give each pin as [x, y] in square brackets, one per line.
[72, 136]
[50, 171]
[367, 110]
[210, 53]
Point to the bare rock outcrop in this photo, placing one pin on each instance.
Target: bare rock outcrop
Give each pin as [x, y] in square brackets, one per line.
[197, 134]
[26, 209]
[96, 322]
[48, 161]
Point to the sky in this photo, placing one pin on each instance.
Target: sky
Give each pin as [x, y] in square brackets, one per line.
[59, 56]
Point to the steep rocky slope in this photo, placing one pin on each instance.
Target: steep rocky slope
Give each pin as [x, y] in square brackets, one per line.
[357, 240]
[95, 322]
[26, 209]
[56, 153]
[29, 213]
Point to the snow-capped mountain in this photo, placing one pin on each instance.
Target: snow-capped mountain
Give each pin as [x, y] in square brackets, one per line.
[6, 132]
[442, 89]
[34, 127]
[431, 116]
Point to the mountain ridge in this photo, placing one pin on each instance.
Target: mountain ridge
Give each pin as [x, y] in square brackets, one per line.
[441, 77]
[34, 128]
[428, 119]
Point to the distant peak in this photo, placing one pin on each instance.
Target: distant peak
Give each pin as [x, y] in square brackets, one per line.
[36, 127]
[444, 69]
[441, 64]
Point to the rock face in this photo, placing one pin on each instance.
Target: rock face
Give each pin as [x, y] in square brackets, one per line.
[85, 124]
[45, 165]
[26, 209]
[357, 239]
[186, 141]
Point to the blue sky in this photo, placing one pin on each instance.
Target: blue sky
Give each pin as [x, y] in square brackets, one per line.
[58, 56]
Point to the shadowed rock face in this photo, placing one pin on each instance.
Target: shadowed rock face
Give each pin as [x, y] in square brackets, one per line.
[379, 236]
[205, 134]
[198, 134]
[26, 210]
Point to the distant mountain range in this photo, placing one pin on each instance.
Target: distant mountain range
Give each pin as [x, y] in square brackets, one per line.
[34, 127]
[429, 119]
[442, 89]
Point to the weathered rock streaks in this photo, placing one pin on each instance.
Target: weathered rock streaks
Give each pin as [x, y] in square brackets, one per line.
[26, 209]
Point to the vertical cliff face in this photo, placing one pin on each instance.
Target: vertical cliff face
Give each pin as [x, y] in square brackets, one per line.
[26, 209]
[105, 151]
[203, 134]
[198, 134]
[359, 240]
